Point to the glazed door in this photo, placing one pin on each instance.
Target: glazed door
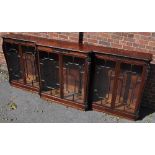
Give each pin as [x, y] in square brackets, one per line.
[105, 74]
[118, 84]
[29, 65]
[73, 78]
[128, 87]
[49, 73]
[12, 55]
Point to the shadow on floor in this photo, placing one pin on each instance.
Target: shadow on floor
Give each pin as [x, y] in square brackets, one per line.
[144, 111]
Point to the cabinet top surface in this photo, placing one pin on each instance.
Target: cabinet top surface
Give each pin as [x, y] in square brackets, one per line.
[84, 48]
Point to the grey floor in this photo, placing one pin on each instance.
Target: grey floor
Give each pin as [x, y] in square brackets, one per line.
[32, 109]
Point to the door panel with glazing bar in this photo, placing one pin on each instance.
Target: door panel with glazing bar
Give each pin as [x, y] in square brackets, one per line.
[30, 67]
[12, 55]
[73, 78]
[104, 82]
[49, 70]
[117, 84]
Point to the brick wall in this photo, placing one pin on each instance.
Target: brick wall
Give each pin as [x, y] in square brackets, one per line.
[69, 36]
[140, 41]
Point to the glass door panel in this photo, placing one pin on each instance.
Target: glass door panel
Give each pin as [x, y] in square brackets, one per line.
[13, 62]
[49, 67]
[104, 82]
[129, 82]
[73, 78]
[30, 66]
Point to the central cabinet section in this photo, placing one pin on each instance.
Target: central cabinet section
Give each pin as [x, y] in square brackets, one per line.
[63, 76]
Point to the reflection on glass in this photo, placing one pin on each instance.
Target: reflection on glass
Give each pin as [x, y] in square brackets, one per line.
[49, 66]
[73, 72]
[30, 66]
[104, 82]
[129, 82]
[12, 56]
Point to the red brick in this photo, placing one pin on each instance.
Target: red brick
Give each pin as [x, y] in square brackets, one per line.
[116, 41]
[129, 44]
[152, 43]
[130, 35]
[116, 45]
[116, 37]
[145, 33]
[94, 41]
[129, 39]
[128, 48]
[143, 42]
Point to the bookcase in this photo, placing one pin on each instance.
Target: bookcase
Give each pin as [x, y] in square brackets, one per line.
[84, 77]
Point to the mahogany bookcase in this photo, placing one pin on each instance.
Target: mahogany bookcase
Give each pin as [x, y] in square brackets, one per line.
[82, 76]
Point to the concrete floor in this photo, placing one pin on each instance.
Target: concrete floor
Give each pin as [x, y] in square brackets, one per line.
[32, 109]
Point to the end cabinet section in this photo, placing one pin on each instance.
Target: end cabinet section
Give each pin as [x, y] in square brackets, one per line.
[64, 76]
[118, 85]
[21, 58]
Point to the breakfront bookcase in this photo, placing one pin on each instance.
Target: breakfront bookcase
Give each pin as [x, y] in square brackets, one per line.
[82, 76]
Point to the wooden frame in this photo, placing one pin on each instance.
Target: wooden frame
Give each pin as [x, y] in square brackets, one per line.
[20, 84]
[131, 115]
[89, 55]
[60, 54]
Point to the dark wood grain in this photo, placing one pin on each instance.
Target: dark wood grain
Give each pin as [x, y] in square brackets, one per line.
[90, 54]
